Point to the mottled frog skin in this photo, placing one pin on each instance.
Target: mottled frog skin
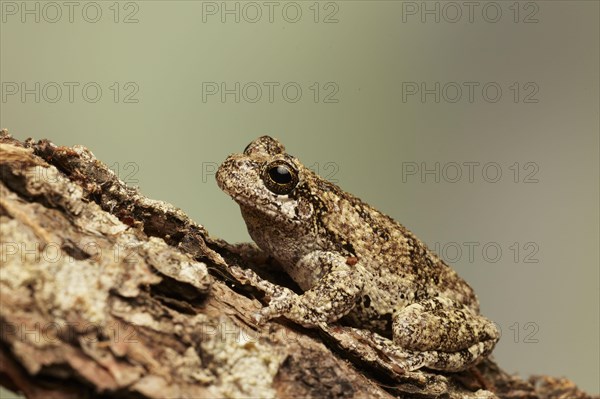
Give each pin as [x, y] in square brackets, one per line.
[354, 264]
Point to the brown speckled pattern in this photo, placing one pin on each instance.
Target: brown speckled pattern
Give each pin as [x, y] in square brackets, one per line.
[352, 260]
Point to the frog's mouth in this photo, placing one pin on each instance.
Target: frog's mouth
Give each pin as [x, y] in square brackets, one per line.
[262, 205]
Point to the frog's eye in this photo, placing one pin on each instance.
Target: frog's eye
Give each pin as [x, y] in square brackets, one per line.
[280, 177]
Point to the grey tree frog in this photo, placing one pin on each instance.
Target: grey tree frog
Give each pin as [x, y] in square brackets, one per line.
[354, 264]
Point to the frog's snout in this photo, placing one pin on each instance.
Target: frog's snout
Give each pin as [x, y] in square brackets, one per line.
[230, 174]
[222, 176]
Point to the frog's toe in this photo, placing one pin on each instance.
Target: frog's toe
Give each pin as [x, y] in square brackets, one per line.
[258, 318]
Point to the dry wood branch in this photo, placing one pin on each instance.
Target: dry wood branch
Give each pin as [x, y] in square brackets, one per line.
[106, 293]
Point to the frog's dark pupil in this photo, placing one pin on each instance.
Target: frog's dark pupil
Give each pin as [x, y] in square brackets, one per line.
[280, 174]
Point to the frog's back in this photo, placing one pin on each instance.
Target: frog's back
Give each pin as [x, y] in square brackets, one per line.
[396, 259]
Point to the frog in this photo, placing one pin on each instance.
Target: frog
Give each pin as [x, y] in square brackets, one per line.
[353, 265]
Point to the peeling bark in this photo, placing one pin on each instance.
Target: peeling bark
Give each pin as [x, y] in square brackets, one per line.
[106, 293]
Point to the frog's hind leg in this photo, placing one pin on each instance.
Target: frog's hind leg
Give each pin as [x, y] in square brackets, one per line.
[384, 351]
[401, 360]
[446, 334]
[460, 360]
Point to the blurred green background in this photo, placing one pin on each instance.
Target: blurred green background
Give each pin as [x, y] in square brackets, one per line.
[476, 125]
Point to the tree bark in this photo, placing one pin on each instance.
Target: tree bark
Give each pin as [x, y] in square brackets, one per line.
[106, 293]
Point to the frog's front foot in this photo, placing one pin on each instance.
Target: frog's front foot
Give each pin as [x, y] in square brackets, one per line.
[279, 305]
[330, 299]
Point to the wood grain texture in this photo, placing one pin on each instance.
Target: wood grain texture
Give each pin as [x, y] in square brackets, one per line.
[106, 293]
